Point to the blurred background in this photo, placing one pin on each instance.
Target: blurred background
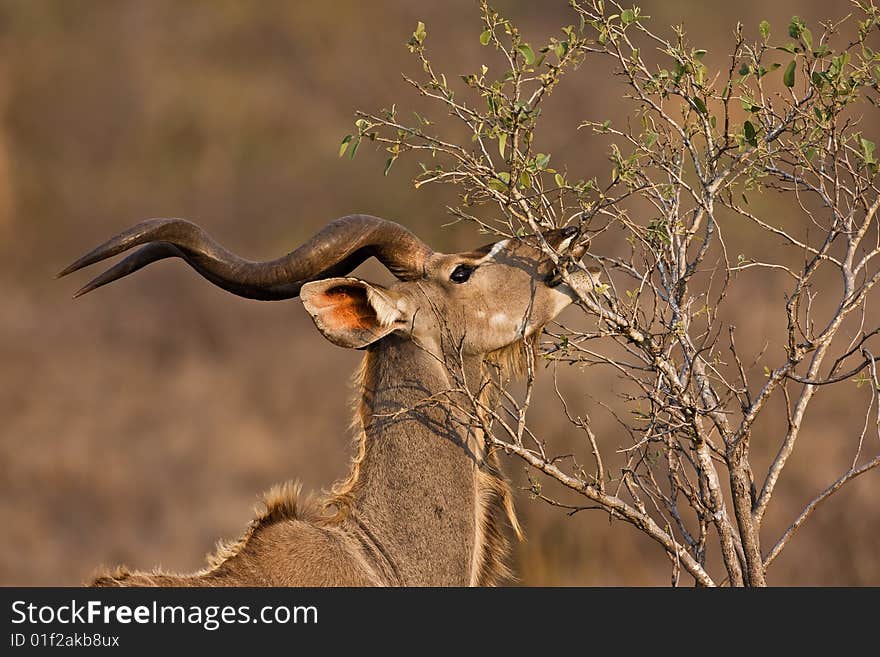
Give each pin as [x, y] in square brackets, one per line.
[140, 423]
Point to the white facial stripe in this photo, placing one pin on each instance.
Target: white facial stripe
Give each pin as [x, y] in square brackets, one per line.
[499, 246]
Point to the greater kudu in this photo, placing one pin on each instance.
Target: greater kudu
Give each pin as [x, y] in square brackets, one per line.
[425, 499]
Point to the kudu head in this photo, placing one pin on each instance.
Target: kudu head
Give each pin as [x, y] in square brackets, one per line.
[474, 303]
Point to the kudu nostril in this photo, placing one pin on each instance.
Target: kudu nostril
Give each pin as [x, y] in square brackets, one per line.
[569, 231]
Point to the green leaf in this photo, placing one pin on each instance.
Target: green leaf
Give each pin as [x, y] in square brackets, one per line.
[560, 181]
[388, 164]
[500, 183]
[502, 142]
[788, 76]
[542, 160]
[750, 134]
[807, 36]
[485, 37]
[700, 105]
[650, 138]
[420, 33]
[527, 53]
[764, 29]
[796, 27]
[749, 105]
[524, 180]
[627, 17]
[344, 145]
[867, 150]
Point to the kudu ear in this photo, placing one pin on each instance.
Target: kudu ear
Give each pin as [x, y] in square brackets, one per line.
[352, 313]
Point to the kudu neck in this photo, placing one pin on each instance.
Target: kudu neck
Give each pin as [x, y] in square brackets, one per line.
[415, 488]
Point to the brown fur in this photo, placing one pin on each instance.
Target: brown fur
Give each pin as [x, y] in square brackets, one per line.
[494, 497]
[339, 500]
[282, 502]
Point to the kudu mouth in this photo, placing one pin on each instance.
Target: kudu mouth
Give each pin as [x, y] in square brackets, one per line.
[568, 261]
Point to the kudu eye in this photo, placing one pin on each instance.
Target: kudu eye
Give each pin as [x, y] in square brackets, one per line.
[461, 274]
